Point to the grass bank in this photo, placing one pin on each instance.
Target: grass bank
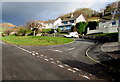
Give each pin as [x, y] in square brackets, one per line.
[36, 40]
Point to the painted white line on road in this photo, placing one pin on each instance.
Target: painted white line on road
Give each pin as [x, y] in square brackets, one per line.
[41, 55]
[86, 77]
[29, 52]
[37, 53]
[71, 70]
[51, 58]
[53, 62]
[57, 50]
[71, 48]
[58, 61]
[46, 60]
[33, 54]
[61, 66]
[76, 69]
[66, 65]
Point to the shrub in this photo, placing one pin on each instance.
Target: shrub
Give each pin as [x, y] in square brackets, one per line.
[81, 27]
[58, 30]
[46, 30]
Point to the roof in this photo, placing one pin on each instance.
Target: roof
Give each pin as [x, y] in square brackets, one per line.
[69, 17]
[51, 21]
[41, 21]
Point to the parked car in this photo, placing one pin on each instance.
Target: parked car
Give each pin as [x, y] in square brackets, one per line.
[72, 34]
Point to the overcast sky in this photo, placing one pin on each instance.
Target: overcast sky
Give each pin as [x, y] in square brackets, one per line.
[19, 13]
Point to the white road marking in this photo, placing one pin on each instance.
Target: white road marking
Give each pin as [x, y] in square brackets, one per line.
[33, 54]
[61, 66]
[66, 65]
[86, 76]
[58, 61]
[46, 60]
[57, 50]
[76, 69]
[51, 58]
[36, 53]
[71, 48]
[71, 70]
[29, 52]
[53, 62]
[41, 55]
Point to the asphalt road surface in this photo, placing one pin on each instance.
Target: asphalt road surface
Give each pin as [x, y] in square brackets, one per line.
[61, 62]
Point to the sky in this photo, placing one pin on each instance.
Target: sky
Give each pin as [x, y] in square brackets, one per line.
[19, 13]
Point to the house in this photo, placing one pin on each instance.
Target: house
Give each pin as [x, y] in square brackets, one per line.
[53, 23]
[70, 20]
[63, 22]
[110, 20]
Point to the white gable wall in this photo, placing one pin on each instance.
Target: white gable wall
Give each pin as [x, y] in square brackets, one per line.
[80, 19]
[58, 22]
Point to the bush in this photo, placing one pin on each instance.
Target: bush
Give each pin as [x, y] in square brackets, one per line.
[7, 32]
[81, 27]
[58, 30]
[46, 30]
[24, 31]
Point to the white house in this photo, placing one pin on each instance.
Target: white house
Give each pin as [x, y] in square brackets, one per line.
[109, 21]
[64, 24]
[71, 20]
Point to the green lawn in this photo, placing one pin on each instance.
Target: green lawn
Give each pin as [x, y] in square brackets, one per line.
[36, 40]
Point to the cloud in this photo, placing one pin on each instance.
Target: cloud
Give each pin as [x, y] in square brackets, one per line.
[21, 12]
[58, 0]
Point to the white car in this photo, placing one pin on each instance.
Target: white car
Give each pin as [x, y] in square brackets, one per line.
[72, 34]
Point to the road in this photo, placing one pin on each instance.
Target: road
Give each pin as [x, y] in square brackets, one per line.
[60, 62]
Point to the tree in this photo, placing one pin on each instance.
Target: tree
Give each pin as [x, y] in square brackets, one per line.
[86, 11]
[81, 26]
[35, 26]
[73, 29]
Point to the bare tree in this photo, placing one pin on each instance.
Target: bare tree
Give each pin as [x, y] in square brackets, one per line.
[34, 26]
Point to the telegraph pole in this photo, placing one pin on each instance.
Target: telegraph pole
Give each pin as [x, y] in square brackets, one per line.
[119, 22]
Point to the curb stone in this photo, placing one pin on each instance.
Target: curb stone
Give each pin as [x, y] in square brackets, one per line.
[87, 55]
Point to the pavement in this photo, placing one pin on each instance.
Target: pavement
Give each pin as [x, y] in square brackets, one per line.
[60, 62]
[106, 54]
[112, 49]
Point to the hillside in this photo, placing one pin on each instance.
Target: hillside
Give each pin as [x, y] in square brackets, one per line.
[4, 26]
[7, 25]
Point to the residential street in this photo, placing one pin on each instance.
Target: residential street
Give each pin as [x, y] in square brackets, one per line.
[61, 62]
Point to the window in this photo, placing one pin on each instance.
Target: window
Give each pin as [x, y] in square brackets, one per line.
[68, 27]
[71, 21]
[65, 22]
[61, 28]
[103, 21]
[113, 22]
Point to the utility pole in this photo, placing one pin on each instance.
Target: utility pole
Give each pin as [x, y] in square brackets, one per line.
[119, 22]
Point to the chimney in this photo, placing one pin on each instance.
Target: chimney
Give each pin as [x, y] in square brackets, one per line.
[71, 15]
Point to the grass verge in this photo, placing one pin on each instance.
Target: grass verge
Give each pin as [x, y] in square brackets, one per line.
[36, 40]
